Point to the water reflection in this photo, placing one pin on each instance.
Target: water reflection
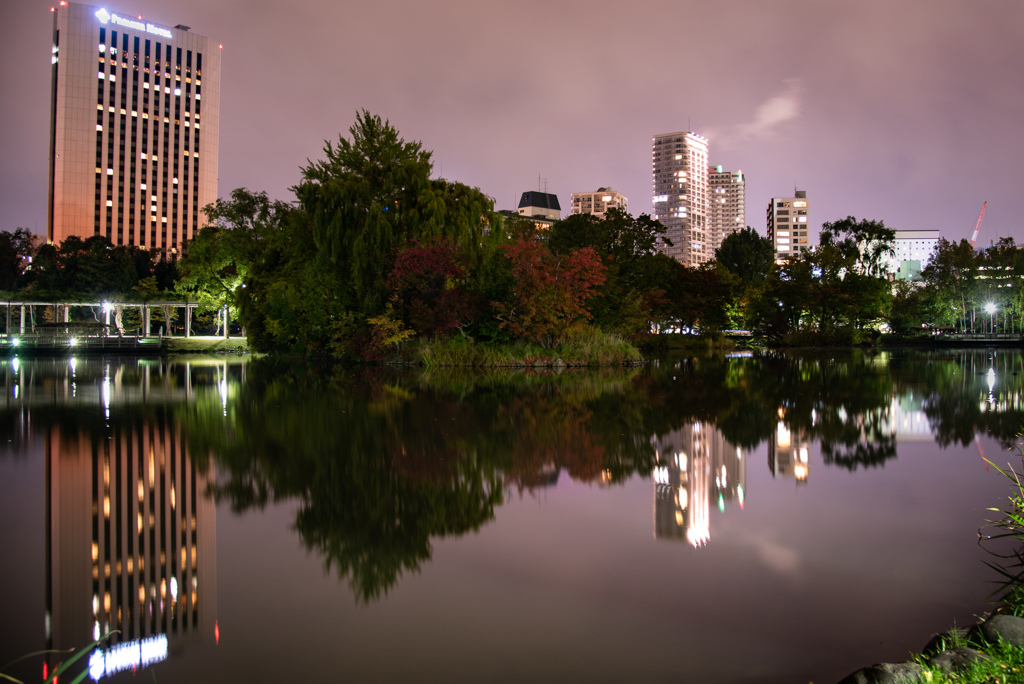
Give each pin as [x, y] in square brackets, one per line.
[696, 466]
[131, 542]
[130, 530]
[382, 463]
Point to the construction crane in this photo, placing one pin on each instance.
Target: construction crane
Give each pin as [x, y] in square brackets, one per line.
[977, 226]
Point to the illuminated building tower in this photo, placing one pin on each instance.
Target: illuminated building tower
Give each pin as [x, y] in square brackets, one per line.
[131, 545]
[598, 202]
[681, 196]
[789, 226]
[695, 466]
[728, 205]
[133, 129]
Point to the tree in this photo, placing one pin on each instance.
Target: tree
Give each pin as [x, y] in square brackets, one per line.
[426, 286]
[950, 278]
[550, 292]
[371, 196]
[748, 256]
[627, 247]
[15, 259]
[616, 236]
[218, 260]
[873, 241]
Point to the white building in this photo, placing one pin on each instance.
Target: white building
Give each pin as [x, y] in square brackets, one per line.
[789, 226]
[913, 251]
[728, 205]
[134, 128]
[598, 202]
[681, 195]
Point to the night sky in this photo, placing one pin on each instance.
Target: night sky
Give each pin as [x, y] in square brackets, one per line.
[909, 112]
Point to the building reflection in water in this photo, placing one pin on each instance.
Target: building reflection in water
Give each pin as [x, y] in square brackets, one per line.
[696, 466]
[789, 453]
[131, 543]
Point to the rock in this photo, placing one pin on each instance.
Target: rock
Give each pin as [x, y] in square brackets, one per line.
[1006, 627]
[886, 673]
[940, 642]
[957, 659]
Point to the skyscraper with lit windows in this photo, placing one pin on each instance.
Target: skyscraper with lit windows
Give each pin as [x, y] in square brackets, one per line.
[681, 198]
[728, 212]
[789, 226]
[134, 128]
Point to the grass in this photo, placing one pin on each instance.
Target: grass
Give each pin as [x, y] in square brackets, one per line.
[1005, 667]
[62, 667]
[204, 345]
[598, 349]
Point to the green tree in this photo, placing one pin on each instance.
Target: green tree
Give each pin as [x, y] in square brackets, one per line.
[371, 195]
[217, 261]
[872, 239]
[950, 277]
[747, 255]
[747, 259]
[16, 254]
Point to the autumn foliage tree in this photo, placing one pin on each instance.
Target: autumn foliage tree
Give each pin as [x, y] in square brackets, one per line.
[426, 285]
[550, 292]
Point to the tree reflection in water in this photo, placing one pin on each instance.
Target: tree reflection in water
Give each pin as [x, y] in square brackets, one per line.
[383, 460]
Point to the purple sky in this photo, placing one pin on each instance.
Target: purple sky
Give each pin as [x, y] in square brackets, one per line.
[909, 112]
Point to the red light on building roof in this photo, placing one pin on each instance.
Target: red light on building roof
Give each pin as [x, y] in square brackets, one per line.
[140, 17]
[63, 3]
[221, 46]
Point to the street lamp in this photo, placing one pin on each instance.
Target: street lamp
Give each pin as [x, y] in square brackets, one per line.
[991, 309]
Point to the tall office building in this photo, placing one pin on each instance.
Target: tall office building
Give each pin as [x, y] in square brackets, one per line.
[789, 226]
[681, 197]
[598, 202]
[134, 128]
[728, 205]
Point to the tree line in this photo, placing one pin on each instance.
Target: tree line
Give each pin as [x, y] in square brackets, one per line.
[375, 252]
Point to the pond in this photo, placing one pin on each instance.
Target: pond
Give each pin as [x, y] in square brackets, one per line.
[751, 517]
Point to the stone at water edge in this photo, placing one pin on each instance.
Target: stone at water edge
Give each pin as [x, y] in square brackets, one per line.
[957, 659]
[938, 642]
[885, 673]
[1007, 627]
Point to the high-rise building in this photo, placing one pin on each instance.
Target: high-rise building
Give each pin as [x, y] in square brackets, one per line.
[681, 196]
[728, 205]
[134, 128]
[789, 226]
[598, 202]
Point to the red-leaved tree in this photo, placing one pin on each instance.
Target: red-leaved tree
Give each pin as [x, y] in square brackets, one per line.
[426, 287]
[550, 292]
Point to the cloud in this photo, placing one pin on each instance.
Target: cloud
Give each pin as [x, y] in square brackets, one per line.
[780, 108]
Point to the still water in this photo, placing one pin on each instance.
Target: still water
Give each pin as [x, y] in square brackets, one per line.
[742, 518]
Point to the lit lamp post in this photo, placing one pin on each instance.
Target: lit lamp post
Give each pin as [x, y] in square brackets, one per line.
[991, 309]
